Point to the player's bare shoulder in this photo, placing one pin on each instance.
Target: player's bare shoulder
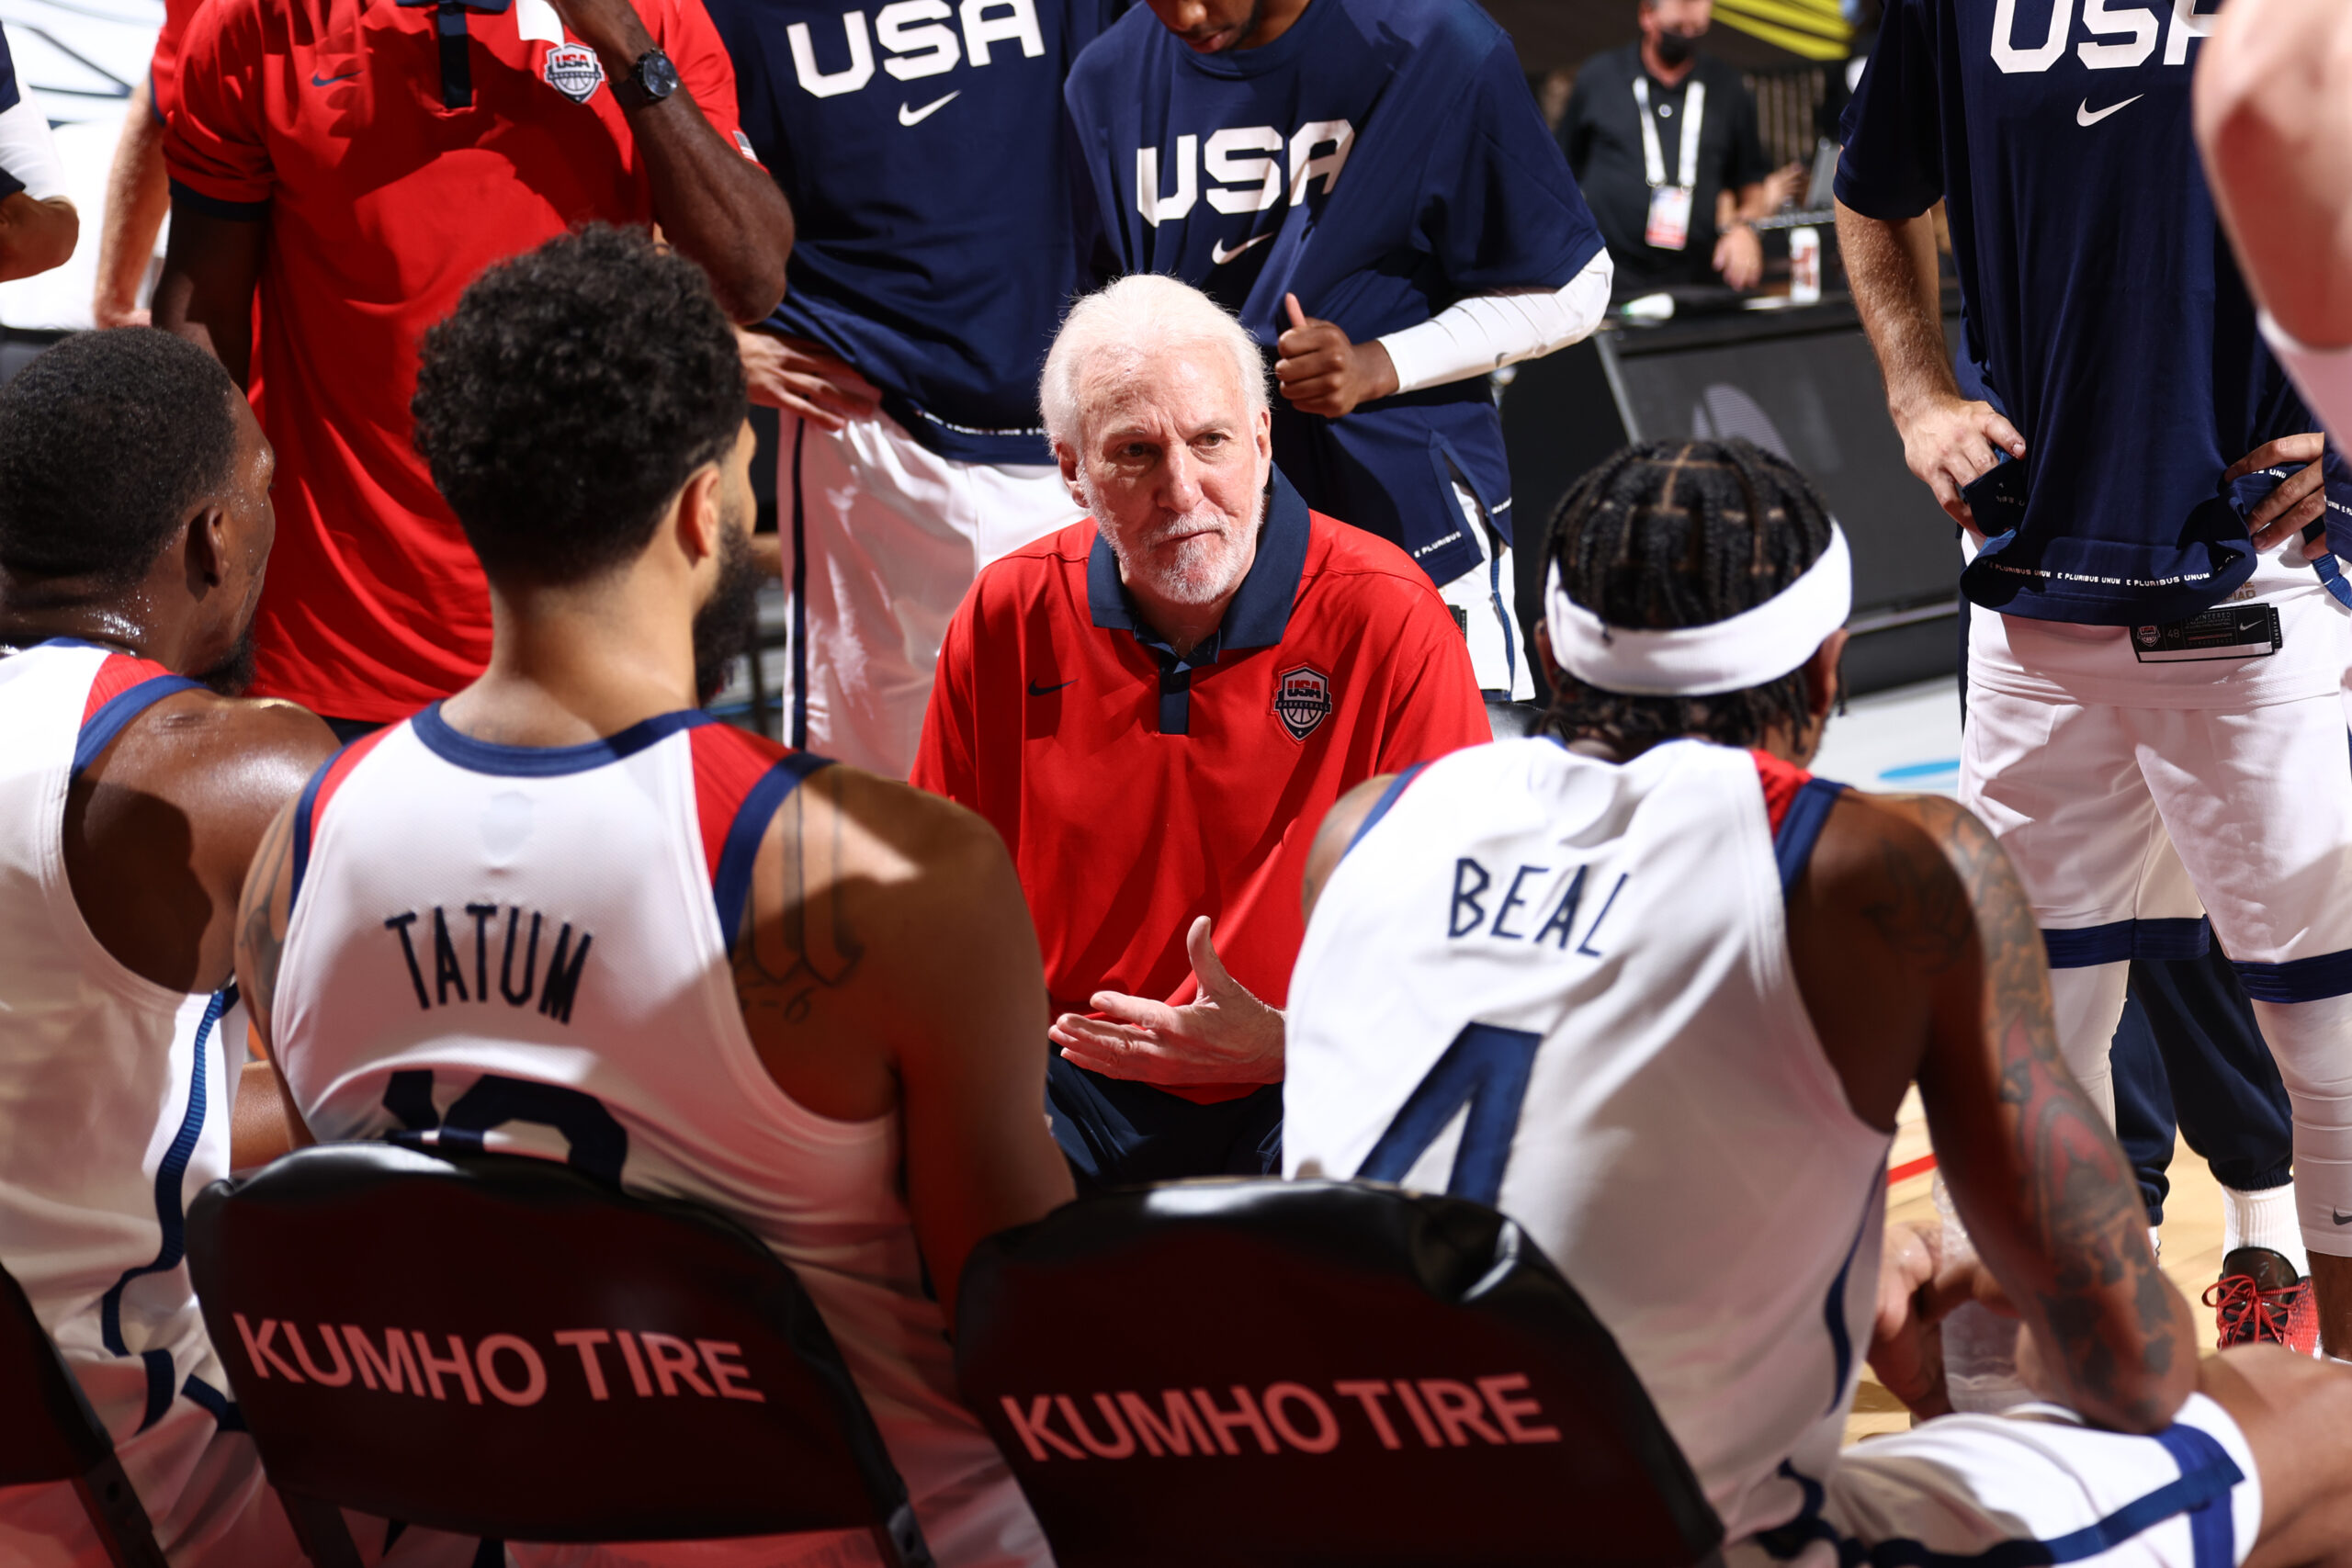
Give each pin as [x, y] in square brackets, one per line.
[865, 896]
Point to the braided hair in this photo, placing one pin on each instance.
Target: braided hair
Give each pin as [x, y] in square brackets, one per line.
[1683, 534]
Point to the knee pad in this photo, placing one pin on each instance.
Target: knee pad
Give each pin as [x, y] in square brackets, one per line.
[2313, 1044]
[2087, 1004]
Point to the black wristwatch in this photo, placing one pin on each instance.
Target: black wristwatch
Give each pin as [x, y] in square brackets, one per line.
[652, 80]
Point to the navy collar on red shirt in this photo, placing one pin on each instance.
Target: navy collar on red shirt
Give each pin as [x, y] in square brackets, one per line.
[449, 25]
[1260, 612]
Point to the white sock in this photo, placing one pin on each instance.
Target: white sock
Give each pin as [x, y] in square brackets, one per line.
[2156, 1242]
[2267, 1218]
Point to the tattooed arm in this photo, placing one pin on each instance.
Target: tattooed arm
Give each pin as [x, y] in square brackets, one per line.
[266, 1120]
[888, 962]
[1939, 968]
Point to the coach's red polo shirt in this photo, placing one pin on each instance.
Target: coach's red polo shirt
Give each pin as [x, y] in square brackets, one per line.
[395, 149]
[1138, 791]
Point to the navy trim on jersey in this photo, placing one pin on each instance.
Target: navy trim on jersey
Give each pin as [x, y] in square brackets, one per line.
[162, 1377]
[306, 806]
[1380, 807]
[2298, 979]
[222, 1409]
[213, 207]
[2119, 942]
[99, 730]
[454, 746]
[1833, 1312]
[799, 649]
[1800, 829]
[2201, 1491]
[730, 884]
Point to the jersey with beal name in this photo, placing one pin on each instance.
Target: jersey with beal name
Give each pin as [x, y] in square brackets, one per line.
[1561, 987]
[114, 1090]
[526, 949]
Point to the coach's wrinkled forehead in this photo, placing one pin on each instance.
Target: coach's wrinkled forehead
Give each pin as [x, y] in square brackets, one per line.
[1144, 317]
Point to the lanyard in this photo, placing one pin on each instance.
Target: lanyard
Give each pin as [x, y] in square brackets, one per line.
[1694, 114]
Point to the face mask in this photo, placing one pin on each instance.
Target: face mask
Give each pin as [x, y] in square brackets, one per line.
[1674, 48]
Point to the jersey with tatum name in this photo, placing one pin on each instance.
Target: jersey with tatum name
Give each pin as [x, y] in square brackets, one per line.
[527, 949]
[117, 1090]
[1381, 161]
[924, 150]
[2104, 313]
[1561, 987]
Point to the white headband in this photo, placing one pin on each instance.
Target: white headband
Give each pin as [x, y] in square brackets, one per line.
[1752, 647]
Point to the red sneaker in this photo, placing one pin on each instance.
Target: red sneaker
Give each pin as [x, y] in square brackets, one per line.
[2260, 1300]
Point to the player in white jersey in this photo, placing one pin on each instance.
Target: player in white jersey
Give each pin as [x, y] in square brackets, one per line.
[563, 913]
[134, 525]
[1647, 986]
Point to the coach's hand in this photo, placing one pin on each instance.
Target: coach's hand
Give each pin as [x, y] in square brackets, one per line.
[804, 378]
[1226, 1035]
[1949, 441]
[1321, 372]
[2301, 499]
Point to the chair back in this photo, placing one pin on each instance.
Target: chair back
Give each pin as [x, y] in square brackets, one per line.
[51, 1433]
[505, 1347]
[1311, 1373]
[1512, 721]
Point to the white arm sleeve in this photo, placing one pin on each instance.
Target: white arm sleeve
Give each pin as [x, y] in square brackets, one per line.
[1487, 332]
[2324, 375]
[28, 153]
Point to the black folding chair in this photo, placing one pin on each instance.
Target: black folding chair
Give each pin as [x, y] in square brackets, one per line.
[51, 1433]
[1265, 1373]
[503, 1347]
[1512, 721]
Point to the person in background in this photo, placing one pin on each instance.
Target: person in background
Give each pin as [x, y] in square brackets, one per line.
[38, 227]
[1664, 142]
[138, 189]
[351, 212]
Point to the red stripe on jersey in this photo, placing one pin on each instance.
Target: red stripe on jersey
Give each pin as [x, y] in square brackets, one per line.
[727, 762]
[117, 675]
[339, 769]
[1782, 781]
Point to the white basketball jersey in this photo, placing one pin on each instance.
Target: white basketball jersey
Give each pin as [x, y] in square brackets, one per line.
[1561, 987]
[115, 1094]
[526, 949]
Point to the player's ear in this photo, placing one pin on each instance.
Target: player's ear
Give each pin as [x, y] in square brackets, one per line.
[702, 514]
[203, 543]
[1821, 675]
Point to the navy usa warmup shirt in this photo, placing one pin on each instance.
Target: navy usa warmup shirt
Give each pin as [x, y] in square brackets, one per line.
[1381, 159]
[2104, 314]
[9, 98]
[922, 147]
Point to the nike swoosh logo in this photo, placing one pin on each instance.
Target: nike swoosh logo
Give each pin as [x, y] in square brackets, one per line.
[319, 80]
[1219, 255]
[2083, 115]
[916, 117]
[2339, 1217]
[1037, 691]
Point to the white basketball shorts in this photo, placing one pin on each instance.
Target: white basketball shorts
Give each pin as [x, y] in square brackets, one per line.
[2135, 797]
[881, 536]
[2031, 1487]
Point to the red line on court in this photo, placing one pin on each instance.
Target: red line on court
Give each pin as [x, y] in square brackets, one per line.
[1910, 1168]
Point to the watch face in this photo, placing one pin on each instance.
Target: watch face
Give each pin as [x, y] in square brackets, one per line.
[661, 77]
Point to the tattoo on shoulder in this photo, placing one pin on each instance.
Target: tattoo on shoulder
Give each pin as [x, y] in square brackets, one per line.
[2087, 1213]
[1924, 909]
[809, 945]
[261, 936]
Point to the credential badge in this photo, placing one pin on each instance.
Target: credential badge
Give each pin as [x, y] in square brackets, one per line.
[1302, 700]
[574, 70]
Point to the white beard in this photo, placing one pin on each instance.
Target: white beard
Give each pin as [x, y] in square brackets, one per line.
[1198, 570]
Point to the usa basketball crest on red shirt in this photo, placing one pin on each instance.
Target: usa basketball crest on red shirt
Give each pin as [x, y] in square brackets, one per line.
[574, 70]
[1302, 700]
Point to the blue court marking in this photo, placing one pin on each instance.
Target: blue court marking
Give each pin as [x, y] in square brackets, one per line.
[1919, 770]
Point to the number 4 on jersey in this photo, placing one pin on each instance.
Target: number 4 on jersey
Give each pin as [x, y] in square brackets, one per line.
[1486, 1066]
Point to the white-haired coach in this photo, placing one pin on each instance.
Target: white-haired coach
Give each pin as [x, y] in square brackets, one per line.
[1156, 705]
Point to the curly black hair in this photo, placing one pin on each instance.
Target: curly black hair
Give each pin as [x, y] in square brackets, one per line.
[1683, 534]
[107, 442]
[570, 396]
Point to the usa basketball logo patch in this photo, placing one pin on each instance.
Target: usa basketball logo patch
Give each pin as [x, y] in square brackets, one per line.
[574, 70]
[1302, 700]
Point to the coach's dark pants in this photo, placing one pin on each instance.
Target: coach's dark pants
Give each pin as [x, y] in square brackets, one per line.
[1117, 1133]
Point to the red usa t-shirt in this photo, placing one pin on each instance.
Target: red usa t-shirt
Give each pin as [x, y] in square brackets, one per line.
[391, 176]
[1135, 796]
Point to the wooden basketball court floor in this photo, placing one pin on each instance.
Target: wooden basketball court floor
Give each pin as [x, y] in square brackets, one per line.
[1909, 740]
